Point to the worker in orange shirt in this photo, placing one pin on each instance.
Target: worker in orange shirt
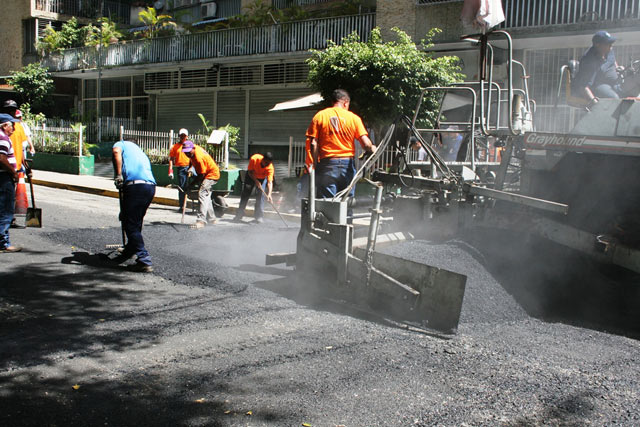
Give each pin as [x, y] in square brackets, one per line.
[332, 133]
[260, 173]
[181, 162]
[18, 138]
[208, 174]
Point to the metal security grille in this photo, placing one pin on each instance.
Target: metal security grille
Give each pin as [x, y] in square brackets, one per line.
[164, 80]
[285, 73]
[240, 76]
[283, 4]
[533, 13]
[543, 65]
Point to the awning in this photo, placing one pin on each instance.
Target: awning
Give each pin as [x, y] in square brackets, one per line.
[299, 103]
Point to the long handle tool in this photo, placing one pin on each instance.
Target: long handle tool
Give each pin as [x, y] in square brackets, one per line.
[272, 205]
[34, 215]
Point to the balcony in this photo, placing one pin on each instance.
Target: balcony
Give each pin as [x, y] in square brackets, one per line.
[539, 13]
[115, 10]
[296, 36]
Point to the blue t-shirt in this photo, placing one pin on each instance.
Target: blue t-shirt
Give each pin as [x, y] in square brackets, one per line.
[595, 70]
[135, 164]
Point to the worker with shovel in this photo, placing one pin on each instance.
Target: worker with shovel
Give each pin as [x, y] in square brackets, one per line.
[137, 187]
[208, 174]
[8, 179]
[181, 162]
[260, 174]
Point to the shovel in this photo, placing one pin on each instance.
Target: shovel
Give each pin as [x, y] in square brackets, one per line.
[34, 215]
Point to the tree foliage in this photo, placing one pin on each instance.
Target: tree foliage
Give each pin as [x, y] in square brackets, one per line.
[33, 84]
[156, 24]
[72, 34]
[383, 79]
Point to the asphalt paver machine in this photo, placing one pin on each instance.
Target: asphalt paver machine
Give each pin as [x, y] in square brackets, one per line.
[486, 166]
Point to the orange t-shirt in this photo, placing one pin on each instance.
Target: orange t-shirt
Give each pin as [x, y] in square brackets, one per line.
[178, 157]
[17, 138]
[258, 171]
[335, 129]
[204, 164]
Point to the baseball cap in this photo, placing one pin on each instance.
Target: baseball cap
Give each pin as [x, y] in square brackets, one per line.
[5, 118]
[188, 146]
[183, 131]
[10, 103]
[603, 37]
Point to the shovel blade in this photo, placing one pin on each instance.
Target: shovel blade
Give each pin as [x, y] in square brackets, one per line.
[34, 217]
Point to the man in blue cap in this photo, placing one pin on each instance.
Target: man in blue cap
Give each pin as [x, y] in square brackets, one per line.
[8, 179]
[598, 73]
[137, 187]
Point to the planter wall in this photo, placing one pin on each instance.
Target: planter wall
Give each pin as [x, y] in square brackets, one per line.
[227, 180]
[225, 183]
[160, 173]
[63, 163]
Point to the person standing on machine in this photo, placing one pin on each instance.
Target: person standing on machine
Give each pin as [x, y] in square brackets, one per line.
[332, 133]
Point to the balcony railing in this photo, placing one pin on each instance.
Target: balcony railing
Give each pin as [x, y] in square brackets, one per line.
[115, 10]
[283, 4]
[288, 37]
[536, 13]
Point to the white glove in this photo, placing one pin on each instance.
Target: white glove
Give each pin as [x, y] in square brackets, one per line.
[171, 175]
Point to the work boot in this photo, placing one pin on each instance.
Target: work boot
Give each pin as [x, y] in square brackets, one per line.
[259, 220]
[14, 224]
[237, 218]
[10, 249]
[139, 267]
[198, 224]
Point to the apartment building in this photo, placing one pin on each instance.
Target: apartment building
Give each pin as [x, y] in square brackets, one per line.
[236, 75]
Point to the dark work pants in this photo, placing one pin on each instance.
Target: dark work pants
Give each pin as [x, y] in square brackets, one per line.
[183, 177]
[333, 175]
[136, 199]
[7, 206]
[247, 188]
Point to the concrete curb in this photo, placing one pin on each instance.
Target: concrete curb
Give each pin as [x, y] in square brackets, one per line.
[165, 201]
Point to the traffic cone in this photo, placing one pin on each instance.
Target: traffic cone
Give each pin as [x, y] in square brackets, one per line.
[21, 196]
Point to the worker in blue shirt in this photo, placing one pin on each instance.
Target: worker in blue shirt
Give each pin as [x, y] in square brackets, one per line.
[137, 187]
[598, 75]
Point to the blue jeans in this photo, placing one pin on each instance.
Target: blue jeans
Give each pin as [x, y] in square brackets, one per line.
[136, 199]
[183, 176]
[247, 188]
[333, 175]
[7, 206]
[606, 91]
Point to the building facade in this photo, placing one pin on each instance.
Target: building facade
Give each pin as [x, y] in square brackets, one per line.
[236, 75]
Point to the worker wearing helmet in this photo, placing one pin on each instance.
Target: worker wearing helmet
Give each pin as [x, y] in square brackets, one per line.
[598, 73]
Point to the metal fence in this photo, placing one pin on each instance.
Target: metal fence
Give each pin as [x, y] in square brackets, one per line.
[534, 13]
[283, 4]
[115, 10]
[157, 145]
[57, 139]
[297, 155]
[286, 37]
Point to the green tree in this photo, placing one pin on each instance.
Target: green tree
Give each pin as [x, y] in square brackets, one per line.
[33, 84]
[70, 35]
[383, 79]
[108, 34]
[156, 24]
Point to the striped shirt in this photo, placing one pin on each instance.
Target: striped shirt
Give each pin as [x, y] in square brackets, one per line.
[6, 148]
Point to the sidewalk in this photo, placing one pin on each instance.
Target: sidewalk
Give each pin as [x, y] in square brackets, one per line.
[164, 196]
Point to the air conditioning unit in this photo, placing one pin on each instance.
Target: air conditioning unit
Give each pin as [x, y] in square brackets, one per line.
[209, 10]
